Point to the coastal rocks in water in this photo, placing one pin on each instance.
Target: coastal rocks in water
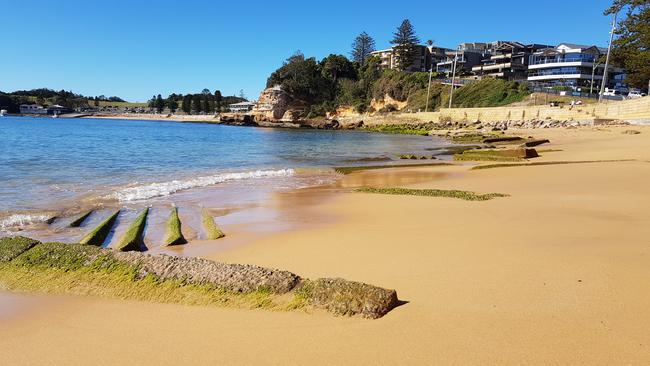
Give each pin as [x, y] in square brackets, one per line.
[237, 119]
[100, 233]
[416, 157]
[83, 269]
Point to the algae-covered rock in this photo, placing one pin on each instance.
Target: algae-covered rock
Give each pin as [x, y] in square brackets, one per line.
[174, 236]
[99, 234]
[343, 297]
[212, 231]
[12, 247]
[132, 239]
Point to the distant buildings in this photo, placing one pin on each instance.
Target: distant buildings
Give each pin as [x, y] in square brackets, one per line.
[390, 59]
[242, 107]
[567, 65]
[38, 109]
[508, 60]
[572, 65]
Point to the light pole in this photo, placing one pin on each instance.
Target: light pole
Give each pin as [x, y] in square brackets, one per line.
[593, 72]
[609, 50]
[426, 108]
[453, 78]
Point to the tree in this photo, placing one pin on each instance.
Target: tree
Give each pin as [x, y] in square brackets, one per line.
[205, 91]
[405, 43]
[187, 104]
[631, 48]
[217, 100]
[208, 107]
[196, 104]
[159, 104]
[172, 105]
[301, 78]
[334, 67]
[362, 46]
[96, 102]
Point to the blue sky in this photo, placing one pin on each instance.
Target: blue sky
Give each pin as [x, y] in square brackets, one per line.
[134, 49]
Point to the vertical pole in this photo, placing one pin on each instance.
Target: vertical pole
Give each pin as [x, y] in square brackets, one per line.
[426, 108]
[453, 78]
[609, 50]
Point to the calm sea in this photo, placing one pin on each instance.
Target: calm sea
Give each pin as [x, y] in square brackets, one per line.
[48, 163]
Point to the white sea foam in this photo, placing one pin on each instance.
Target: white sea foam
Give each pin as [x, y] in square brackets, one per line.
[22, 220]
[152, 190]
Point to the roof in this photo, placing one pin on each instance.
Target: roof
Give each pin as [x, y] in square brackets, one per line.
[242, 104]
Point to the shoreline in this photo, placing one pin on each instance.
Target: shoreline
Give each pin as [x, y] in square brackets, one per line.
[553, 274]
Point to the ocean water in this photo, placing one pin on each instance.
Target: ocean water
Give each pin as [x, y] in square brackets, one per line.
[57, 164]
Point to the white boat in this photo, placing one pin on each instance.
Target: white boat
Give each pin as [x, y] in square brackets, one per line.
[55, 115]
[3, 112]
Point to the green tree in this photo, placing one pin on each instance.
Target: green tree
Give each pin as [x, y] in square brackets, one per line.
[631, 48]
[334, 67]
[96, 102]
[208, 106]
[172, 104]
[362, 46]
[218, 98]
[159, 104]
[197, 106]
[205, 91]
[301, 78]
[187, 104]
[405, 43]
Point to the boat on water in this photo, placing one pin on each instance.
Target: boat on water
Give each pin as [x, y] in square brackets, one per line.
[3, 112]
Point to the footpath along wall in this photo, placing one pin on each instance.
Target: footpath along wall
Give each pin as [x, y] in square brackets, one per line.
[630, 110]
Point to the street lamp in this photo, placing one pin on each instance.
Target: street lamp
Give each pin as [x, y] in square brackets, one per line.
[593, 72]
[453, 78]
[609, 50]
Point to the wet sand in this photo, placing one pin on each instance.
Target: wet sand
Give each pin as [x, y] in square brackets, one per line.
[557, 273]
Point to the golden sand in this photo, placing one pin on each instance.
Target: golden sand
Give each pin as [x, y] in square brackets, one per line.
[557, 274]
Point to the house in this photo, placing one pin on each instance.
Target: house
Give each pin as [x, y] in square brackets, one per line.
[241, 107]
[32, 109]
[507, 60]
[572, 65]
[58, 109]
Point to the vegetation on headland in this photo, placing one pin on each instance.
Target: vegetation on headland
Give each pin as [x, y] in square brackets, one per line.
[28, 265]
[173, 235]
[100, 233]
[463, 195]
[212, 231]
[199, 103]
[132, 238]
[43, 96]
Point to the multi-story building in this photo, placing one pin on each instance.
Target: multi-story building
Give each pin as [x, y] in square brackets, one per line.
[390, 59]
[572, 65]
[466, 60]
[508, 60]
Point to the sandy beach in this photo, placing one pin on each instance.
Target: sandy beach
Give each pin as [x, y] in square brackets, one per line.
[555, 274]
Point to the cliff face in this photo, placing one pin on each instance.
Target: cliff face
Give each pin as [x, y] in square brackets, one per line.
[273, 103]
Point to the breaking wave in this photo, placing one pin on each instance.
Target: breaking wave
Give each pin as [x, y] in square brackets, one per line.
[22, 220]
[152, 190]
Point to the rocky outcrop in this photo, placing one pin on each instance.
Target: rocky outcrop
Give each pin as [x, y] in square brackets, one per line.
[27, 264]
[273, 103]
